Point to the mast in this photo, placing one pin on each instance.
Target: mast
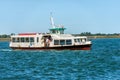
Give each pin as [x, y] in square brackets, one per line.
[52, 21]
[56, 29]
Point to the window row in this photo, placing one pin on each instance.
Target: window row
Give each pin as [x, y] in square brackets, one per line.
[63, 42]
[80, 40]
[22, 39]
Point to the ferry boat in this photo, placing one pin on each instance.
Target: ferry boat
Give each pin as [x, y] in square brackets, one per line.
[56, 39]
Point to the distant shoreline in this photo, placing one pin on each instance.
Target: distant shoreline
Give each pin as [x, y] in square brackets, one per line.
[94, 37]
[90, 37]
[4, 39]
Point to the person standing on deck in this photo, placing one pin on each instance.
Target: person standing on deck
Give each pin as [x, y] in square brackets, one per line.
[47, 42]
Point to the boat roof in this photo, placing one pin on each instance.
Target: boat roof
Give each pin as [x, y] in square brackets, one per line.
[54, 36]
[57, 28]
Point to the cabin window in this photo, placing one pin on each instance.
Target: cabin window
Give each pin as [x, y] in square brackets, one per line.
[75, 40]
[62, 42]
[78, 40]
[53, 31]
[84, 40]
[13, 39]
[22, 39]
[56, 42]
[27, 39]
[18, 40]
[31, 39]
[37, 39]
[68, 42]
[61, 32]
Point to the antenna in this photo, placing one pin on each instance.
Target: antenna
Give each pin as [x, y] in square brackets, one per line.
[52, 21]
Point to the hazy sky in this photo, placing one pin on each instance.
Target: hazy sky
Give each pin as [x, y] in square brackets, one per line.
[95, 16]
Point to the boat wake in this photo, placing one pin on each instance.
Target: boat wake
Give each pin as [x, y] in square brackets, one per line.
[6, 50]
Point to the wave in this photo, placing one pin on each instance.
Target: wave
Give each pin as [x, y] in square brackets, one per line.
[6, 50]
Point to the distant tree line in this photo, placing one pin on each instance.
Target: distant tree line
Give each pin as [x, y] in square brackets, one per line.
[96, 34]
[4, 36]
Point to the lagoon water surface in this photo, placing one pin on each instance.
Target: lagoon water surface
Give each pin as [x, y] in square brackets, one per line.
[102, 62]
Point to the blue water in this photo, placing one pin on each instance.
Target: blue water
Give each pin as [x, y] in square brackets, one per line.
[102, 62]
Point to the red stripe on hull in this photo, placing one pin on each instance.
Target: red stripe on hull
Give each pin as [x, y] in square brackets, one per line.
[80, 47]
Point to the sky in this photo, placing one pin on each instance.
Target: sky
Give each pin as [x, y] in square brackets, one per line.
[95, 16]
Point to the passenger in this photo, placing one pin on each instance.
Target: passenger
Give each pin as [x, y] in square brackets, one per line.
[47, 42]
[50, 39]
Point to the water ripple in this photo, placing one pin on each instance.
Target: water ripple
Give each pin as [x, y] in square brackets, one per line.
[100, 63]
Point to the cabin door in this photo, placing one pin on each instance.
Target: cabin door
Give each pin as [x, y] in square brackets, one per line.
[46, 40]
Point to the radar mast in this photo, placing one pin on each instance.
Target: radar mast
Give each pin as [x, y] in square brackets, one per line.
[56, 29]
[52, 21]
